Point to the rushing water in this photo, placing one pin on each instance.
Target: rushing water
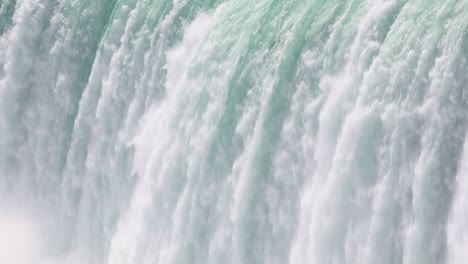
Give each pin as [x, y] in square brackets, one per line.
[233, 131]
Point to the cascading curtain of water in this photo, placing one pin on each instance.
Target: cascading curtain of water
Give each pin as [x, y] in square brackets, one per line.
[233, 131]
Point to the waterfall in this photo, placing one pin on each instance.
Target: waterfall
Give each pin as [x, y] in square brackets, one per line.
[233, 131]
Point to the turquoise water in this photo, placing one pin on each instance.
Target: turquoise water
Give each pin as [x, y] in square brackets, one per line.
[235, 131]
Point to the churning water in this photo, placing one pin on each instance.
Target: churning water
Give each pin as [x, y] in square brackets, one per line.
[233, 131]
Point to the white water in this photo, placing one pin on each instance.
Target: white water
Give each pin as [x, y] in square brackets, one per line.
[143, 131]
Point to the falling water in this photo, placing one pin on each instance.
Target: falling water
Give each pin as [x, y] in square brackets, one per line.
[233, 131]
